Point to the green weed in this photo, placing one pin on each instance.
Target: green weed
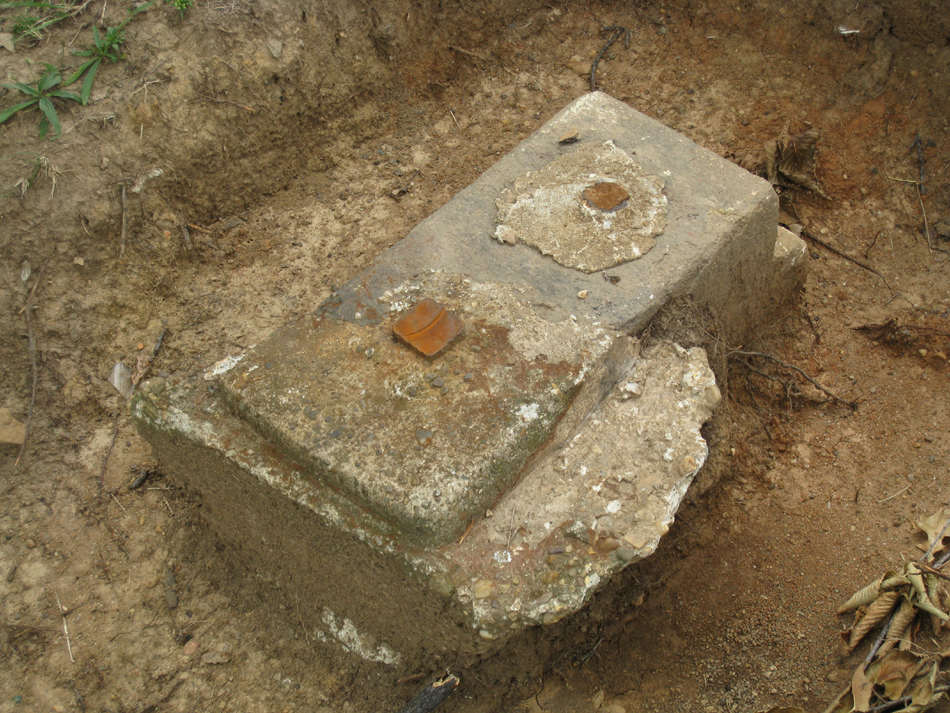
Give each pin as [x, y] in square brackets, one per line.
[41, 93]
[103, 47]
[34, 26]
[182, 5]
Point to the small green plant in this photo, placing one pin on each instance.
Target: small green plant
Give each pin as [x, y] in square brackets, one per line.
[41, 93]
[34, 26]
[106, 46]
[103, 47]
[182, 5]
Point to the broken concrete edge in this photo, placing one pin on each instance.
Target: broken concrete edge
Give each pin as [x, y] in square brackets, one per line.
[500, 587]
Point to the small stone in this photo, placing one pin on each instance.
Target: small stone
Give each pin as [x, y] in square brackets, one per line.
[625, 553]
[438, 382]
[444, 390]
[437, 493]
[469, 377]
[369, 353]
[190, 647]
[582, 294]
[571, 137]
[635, 540]
[483, 589]
[336, 433]
[269, 365]
[608, 544]
[412, 391]
[424, 437]
[550, 577]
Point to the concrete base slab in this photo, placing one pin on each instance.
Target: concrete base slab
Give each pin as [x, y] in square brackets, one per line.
[421, 504]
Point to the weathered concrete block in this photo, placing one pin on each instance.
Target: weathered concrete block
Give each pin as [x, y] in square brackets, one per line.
[421, 504]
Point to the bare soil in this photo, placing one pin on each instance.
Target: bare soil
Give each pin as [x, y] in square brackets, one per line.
[299, 140]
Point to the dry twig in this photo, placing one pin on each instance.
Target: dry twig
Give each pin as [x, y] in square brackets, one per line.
[69, 645]
[840, 253]
[28, 311]
[798, 370]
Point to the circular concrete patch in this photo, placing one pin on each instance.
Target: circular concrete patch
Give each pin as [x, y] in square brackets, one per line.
[590, 209]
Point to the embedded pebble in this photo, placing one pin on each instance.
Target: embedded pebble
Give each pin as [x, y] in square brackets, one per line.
[625, 553]
[412, 391]
[269, 365]
[636, 540]
[424, 437]
[468, 377]
[483, 588]
[369, 353]
[438, 382]
[583, 294]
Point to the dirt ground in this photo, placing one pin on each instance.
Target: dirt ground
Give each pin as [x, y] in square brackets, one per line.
[299, 140]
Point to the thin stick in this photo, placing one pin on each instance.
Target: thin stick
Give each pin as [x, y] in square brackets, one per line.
[922, 210]
[937, 540]
[511, 524]
[891, 497]
[852, 404]
[31, 340]
[618, 31]
[69, 645]
[122, 237]
[225, 101]
[839, 253]
[476, 55]
[118, 503]
[102, 473]
[455, 120]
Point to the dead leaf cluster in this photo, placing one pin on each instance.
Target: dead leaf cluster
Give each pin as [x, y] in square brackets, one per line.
[898, 675]
[790, 159]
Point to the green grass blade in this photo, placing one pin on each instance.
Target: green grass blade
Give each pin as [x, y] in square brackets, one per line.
[24, 88]
[40, 5]
[15, 108]
[79, 72]
[49, 79]
[87, 84]
[63, 94]
[46, 106]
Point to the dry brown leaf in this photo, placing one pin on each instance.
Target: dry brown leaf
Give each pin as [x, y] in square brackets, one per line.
[923, 696]
[933, 594]
[844, 703]
[790, 159]
[863, 596]
[861, 689]
[895, 670]
[932, 526]
[875, 614]
[899, 625]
